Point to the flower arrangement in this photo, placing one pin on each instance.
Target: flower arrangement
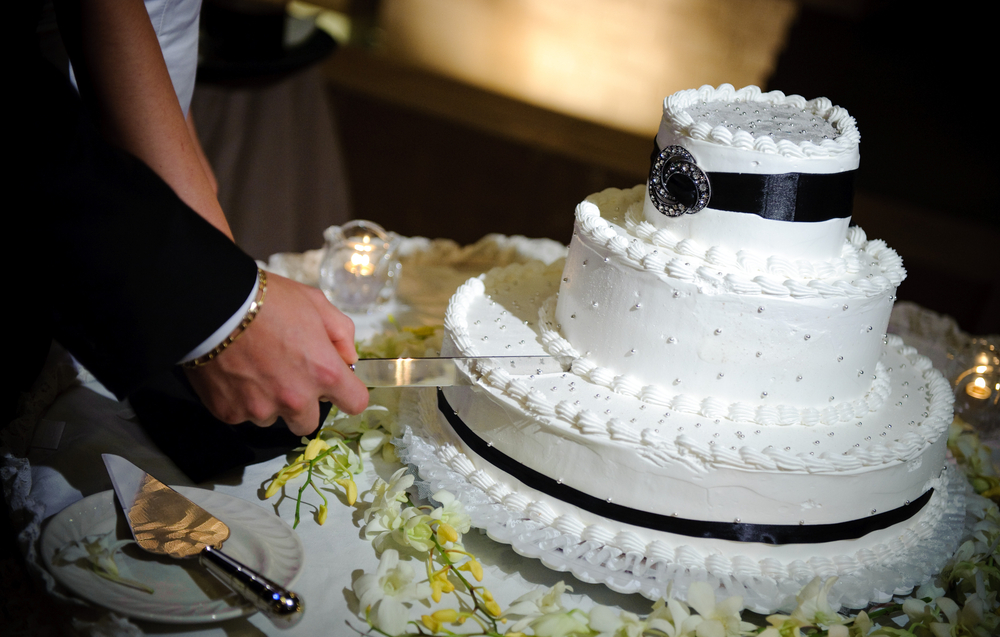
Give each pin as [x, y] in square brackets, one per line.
[961, 602]
[97, 554]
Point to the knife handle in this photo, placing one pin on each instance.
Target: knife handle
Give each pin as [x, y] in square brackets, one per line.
[281, 606]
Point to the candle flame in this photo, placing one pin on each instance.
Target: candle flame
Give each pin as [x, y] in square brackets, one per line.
[360, 265]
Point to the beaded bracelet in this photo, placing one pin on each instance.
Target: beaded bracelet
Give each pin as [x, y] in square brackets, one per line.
[248, 318]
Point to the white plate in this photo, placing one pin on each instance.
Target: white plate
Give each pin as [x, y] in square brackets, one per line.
[183, 591]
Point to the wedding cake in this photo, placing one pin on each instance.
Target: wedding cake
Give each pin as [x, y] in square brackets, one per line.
[732, 407]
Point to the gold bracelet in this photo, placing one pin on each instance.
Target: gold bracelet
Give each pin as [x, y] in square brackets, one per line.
[248, 318]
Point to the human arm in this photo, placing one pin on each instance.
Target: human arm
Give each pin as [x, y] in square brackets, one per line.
[132, 294]
[125, 82]
[213, 182]
[295, 353]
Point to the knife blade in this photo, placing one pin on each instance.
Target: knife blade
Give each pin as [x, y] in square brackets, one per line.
[164, 522]
[445, 371]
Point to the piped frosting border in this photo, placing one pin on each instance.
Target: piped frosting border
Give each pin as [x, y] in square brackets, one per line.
[627, 563]
[660, 450]
[642, 246]
[847, 140]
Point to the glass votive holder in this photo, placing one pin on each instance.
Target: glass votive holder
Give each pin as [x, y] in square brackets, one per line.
[977, 388]
[359, 271]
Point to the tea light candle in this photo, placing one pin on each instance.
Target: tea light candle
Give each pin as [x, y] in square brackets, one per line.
[359, 271]
[978, 389]
[361, 261]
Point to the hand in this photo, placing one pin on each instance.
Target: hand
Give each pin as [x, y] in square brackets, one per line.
[294, 354]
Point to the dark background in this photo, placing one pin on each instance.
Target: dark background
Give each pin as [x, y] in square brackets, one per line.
[429, 156]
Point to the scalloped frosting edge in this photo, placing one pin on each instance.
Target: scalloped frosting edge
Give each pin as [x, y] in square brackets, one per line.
[846, 141]
[749, 274]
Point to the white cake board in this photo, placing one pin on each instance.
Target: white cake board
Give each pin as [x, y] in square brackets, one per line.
[428, 440]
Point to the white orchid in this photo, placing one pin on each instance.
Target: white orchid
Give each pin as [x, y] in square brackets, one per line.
[609, 623]
[920, 612]
[562, 624]
[406, 527]
[536, 603]
[339, 464]
[813, 608]
[968, 620]
[97, 553]
[674, 618]
[383, 594]
[451, 512]
[415, 532]
[388, 494]
[376, 425]
[720, 620]
[929, 590]
[381, 522]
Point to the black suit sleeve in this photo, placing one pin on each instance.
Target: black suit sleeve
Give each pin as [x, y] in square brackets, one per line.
[133, 278]
[125, 275]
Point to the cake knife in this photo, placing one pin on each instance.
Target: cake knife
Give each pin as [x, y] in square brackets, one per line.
[445, 371]
[164, 522]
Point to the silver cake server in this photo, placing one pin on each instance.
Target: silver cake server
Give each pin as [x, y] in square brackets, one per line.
[164, 522]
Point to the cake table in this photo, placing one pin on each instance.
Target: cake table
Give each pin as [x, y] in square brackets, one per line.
[51, 462]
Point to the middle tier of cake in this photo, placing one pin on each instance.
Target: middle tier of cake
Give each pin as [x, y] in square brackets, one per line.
[596, 437]
[799, 340]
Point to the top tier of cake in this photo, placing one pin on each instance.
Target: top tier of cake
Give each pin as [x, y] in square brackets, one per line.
[748, 132]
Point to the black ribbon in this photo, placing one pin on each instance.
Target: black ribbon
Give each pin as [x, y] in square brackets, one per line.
[739, 532]
[783, 197]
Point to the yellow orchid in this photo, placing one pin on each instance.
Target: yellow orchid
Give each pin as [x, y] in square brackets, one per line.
[351, 489]
[493, 608]
[436, 620]
[279, 479]
[446, 533]
[440, 584]
[474, 567]
[313, 449]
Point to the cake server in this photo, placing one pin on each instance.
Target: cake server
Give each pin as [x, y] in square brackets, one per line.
[446, 371]
[164, 522]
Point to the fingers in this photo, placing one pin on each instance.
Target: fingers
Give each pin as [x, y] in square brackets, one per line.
[349, 393]
[304, 421]
[339, 328]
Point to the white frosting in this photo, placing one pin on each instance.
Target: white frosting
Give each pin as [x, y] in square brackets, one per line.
[899, 557]
[721, 369]
[695, 457]
[717, 462]
[751, 330]
[747, 131]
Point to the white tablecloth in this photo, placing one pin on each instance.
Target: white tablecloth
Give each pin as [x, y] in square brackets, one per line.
[52, 458]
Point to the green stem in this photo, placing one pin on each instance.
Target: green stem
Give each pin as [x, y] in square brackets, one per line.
[298, 499]
[479, 605]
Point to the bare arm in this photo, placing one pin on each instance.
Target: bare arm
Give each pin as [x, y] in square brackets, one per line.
[123, 77]
[201, 153]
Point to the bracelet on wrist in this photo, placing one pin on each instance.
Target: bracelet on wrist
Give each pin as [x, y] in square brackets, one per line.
[248, 318]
